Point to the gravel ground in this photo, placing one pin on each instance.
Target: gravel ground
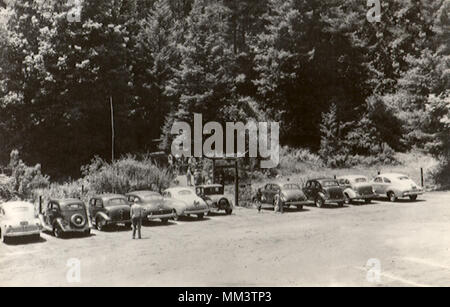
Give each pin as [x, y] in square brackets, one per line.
[313, 247]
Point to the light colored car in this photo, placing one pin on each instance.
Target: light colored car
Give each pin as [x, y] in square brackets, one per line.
[357, 187]
[18, 219]
[395, 186]
[189, 203]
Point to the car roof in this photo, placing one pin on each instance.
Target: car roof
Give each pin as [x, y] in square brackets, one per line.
[15, 204]
[178, 189]
[106, 197]
[210, 186]
[352, 177]
[67, 201]
[392, 175]
[322, 179]
[144, 193]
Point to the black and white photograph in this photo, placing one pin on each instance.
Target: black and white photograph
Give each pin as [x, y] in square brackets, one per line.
[224, 144]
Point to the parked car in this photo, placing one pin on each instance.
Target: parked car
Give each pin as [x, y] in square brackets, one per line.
[324, 191]
[395, 186]
[188, 202]
[155, 206]
[18, 219]
[65, 216]
[109, 209]
[357, 187]
[215, 197]
[289, 194]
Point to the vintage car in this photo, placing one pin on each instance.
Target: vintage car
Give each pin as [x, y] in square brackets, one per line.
[357, 187]
[395, 186]
[324, 191]
[189, 203]
[287, 194]
[65, 216]
[155, 206]
[18, 219]
[215, 197]
[109, 209]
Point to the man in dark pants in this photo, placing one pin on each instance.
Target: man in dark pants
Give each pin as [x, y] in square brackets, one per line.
[137, 213]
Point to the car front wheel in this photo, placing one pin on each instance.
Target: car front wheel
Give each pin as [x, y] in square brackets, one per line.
[58, 232]
[164, 221]
[392, 197]
[229, 211]
[100, 224]
[348, 201]
[200, 216]
[413, 197]
[320, 202]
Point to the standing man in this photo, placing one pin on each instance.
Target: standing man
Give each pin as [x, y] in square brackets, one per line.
[136, 218]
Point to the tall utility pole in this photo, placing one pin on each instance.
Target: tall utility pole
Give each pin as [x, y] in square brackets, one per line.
[112, 129]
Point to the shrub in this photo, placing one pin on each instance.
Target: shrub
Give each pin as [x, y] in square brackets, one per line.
[25, 179]
[125, 175]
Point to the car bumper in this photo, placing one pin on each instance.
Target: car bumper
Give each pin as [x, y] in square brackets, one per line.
[411, 193]
[199, 211]
[118, 222]
[76, 230]
[298, 203]
[334, 201]
[160, 216]
[22, 234]
[370, 196]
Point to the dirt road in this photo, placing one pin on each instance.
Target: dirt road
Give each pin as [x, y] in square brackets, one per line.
[408, 241]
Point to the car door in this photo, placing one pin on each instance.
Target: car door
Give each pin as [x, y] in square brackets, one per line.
[378, 185]
[386, 185]
[307, 190]
[96, 206]
[53, 212]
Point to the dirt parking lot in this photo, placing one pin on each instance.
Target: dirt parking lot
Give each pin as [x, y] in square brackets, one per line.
[324, 247]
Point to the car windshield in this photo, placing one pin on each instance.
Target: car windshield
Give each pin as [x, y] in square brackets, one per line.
[213, 190]
[184, 192]
[360, 180]
[116, 202]
[330, 183]
[291, 186]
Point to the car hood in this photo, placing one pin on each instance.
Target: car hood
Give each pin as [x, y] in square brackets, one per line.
[293, 194]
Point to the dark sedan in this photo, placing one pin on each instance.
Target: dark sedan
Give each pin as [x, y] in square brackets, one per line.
[282, 194]
[155, 206]
[324, 191]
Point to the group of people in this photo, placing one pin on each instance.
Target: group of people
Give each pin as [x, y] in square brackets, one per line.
[191, 167]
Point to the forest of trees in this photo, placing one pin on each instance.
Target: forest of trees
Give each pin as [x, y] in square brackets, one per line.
[339, 84]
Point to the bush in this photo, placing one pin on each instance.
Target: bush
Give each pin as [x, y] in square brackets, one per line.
[25, 179]
[125, 175]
